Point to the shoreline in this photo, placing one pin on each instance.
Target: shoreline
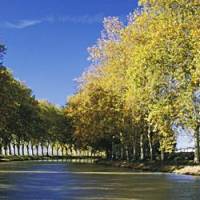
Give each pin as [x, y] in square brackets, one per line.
[182, 169]
[32, 158]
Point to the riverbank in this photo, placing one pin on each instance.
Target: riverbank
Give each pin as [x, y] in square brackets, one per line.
[26, 158]
[185, 169]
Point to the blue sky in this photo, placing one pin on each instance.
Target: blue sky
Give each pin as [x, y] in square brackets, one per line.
[47, 40]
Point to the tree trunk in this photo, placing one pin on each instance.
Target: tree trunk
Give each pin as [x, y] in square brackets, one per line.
[52, 150]
[0, 149]
[5, 150]
[32, 149]
[127, 153]
[150, 144]
[27, 149]
[66, 151]
[141, 147]
[71, 150]
[57, 149]
[47, 149]
[134, 150]
[112, 152]
[22, 149]
[121, 152]
[10, 149]
[14, 149]
[37, 150]
[197, 148]
[62, 151]
[18, 149]
[42, 149]
[162, 155]
[108, 154]
[117, 152]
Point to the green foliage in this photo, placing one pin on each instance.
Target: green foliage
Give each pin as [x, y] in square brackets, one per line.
[24, 120]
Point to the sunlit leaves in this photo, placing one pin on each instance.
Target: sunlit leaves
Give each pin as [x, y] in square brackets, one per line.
[151, 67]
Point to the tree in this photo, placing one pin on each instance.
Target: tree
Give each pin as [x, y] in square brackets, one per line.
[148, 67]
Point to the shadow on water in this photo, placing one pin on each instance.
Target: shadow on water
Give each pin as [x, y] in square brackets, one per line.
[71, 181]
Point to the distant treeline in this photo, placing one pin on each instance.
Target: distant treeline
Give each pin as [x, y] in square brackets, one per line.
[29, 127]
[27, 124]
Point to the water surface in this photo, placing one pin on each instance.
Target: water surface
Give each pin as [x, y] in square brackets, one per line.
[67, 181]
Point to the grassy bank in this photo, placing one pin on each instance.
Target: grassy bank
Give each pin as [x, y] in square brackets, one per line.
[156, 166]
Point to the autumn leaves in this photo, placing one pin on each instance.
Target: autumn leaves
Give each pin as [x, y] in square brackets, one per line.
[142, 81]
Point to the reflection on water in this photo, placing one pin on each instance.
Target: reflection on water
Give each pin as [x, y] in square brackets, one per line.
[65, 181]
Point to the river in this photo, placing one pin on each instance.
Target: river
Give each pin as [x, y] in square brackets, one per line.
[40, 180]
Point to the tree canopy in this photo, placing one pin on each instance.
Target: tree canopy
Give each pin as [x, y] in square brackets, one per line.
[142, 81]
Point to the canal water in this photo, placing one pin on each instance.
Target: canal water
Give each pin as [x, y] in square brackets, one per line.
[40, 180]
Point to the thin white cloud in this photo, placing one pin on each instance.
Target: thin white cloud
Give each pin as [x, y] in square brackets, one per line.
[84, 19]
[22, 24]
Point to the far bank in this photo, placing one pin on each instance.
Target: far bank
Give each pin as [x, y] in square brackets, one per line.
[155, 166]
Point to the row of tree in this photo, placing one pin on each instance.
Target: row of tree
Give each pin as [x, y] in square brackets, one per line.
[26, 124]
[32, 127]
[143, 83]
